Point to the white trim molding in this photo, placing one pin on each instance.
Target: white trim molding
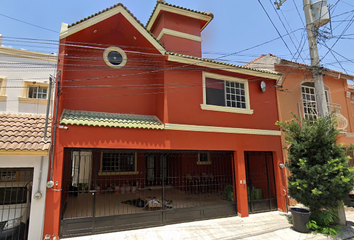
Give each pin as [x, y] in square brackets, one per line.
[50, 58]
[3, 83]
[200, 128]
[117, 49]
[225, 109]
[178, 34]
[235, 69]
[67, 31]
[162, 7]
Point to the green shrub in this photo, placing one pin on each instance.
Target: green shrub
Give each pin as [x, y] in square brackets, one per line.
[320, 176]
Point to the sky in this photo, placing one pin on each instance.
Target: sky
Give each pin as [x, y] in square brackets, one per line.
[239, 32]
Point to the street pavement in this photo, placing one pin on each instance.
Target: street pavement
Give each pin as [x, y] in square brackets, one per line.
[270, 225]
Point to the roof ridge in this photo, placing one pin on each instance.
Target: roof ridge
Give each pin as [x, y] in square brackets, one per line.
[126, 9]
[223, 63]
[158, 2]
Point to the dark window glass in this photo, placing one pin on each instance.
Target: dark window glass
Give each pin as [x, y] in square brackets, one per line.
[225, 93]
[203, 157]
[215, 93]
[115, 58]
[13, 195]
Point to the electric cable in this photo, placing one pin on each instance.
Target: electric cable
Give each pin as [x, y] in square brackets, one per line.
[31, 24]
[275, 28]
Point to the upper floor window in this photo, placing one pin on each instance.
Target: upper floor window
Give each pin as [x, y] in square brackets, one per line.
[224, 93]
[37, 92]
[309, 100]
[34, 92]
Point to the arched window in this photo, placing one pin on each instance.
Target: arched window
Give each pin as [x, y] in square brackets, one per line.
[309, 100]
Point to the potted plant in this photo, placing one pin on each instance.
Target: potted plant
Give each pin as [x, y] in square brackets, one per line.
[320, 177]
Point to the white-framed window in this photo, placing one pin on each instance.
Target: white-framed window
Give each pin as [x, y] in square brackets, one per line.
[309, 100]
[118, 163]
[34, 92]
[3, 81]
[204, 158]
[225, 93]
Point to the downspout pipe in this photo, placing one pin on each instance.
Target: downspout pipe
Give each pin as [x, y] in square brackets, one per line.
[50, 183]
[38, 194]
[48, 106]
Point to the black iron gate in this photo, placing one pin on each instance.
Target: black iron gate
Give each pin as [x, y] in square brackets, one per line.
[261, 192]
[111, 190]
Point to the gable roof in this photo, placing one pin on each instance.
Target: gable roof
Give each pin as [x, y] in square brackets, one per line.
[68, 30]
[104, 119]
[161, 5]
[204, 62]
[23, 134]
[284, 62]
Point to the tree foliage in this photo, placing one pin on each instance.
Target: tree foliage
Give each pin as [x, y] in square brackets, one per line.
[320, 176]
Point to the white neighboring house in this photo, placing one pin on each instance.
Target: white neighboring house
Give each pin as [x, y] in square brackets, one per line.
[24, 152]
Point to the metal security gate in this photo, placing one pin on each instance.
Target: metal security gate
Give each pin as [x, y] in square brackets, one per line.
[15, 202]
[261, 192]
[113, 190]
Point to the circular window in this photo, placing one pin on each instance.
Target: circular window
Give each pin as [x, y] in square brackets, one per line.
[114, 57]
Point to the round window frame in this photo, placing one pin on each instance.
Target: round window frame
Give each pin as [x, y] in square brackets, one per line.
[117, 49]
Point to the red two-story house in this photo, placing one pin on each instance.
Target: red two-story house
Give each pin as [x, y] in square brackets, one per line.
[147, 132]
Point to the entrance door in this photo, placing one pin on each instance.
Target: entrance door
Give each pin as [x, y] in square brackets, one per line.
[261, 191]
[79, 192]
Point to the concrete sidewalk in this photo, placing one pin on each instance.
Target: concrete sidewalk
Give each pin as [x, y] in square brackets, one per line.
[271, 225]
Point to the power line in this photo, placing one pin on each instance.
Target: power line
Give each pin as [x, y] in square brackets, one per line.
[275, 28]
[297, 10]
[344, 30]
[31, 24]
[286, 30]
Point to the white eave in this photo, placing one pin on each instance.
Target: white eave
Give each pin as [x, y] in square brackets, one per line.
[67, 31]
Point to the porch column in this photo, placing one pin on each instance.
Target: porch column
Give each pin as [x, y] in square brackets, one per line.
[280, 181]
[241, 184]
[53, 199]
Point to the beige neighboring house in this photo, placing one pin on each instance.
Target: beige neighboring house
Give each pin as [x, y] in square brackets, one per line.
[24, 151]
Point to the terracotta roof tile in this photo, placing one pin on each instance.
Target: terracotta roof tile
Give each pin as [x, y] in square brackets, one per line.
[347, 76]
[23, 132]
[300, 65]
[222, 63]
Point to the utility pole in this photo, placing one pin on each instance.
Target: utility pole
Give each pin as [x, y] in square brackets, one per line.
[315, 60]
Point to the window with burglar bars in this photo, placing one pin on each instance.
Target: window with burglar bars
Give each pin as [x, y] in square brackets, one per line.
[37, 92]
[113, 162]
[309, 100]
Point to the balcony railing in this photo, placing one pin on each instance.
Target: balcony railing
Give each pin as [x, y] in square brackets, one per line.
[309, 110]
